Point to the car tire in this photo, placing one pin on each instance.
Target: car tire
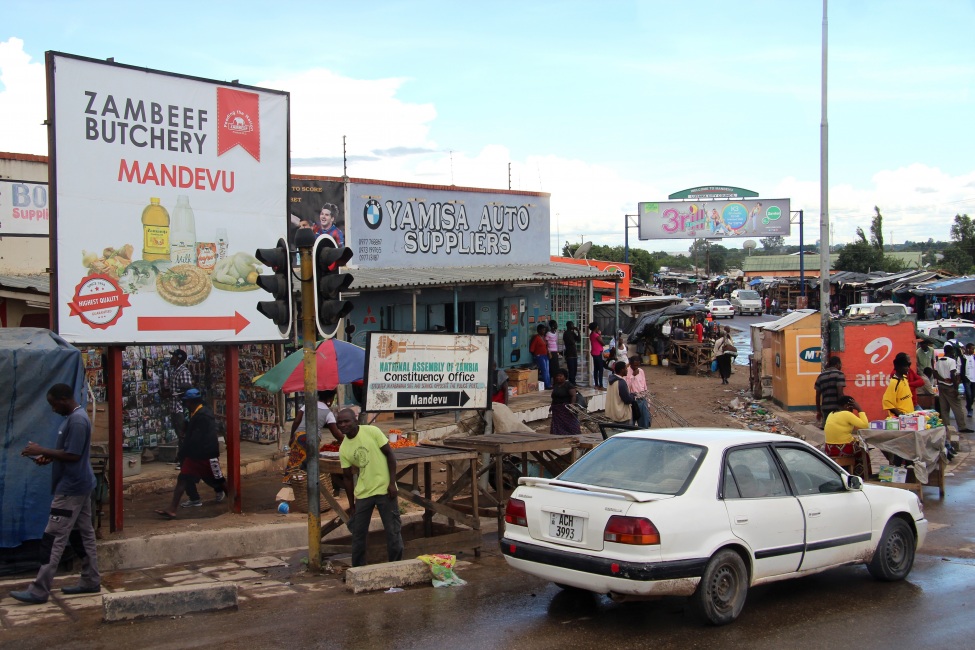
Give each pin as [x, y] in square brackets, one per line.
[894, 556]
[721, 594]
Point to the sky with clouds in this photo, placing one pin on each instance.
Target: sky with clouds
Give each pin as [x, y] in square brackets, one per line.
[601, 104]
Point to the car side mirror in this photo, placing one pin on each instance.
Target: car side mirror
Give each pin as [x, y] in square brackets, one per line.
[854, 482]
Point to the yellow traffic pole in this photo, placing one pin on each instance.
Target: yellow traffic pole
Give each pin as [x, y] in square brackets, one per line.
[305, 240]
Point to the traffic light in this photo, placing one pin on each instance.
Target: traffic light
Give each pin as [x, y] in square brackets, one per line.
[329, 283]
[280, 309]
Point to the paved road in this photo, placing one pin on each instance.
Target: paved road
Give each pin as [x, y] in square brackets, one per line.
[501, 608]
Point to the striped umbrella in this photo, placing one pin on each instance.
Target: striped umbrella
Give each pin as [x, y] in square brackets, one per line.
[338, 363]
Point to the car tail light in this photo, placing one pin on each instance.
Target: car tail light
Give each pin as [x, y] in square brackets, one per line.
[515, 513]
[630, 530]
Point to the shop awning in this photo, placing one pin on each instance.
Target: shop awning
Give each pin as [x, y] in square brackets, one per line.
[410, 278]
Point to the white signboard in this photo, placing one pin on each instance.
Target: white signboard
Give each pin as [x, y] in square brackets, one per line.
[24, 209]
[165, 186]
[713, 219]
[396, 226]
[408, 371]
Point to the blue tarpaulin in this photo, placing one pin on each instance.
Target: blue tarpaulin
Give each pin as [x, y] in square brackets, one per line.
[31, 361]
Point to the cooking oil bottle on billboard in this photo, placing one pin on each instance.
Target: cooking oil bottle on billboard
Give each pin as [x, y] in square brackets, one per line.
[155, 232]
[183, 235]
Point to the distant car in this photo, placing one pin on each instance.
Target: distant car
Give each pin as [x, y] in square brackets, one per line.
[721, 307]
[866, 309]
[746, 301]
[706, 513]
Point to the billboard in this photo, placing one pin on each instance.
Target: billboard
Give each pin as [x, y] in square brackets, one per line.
[24, 209]
[163, 186]
[408, 226]
[318, 204]
[713, 219]
[407, 371]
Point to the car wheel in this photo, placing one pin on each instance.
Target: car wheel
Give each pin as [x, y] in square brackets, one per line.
[894, 556]
[721, 594]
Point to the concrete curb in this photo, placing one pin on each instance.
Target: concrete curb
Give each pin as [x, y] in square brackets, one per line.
[169, 601]
[374, 577]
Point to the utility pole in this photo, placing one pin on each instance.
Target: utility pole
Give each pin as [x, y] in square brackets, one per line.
[305, 240]
[824, 207]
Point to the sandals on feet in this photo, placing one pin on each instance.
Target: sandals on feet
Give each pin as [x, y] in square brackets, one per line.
[165, 515]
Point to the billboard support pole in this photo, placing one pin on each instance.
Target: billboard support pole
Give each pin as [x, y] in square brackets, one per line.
[626, 235]
[824, 209]
[305, 240]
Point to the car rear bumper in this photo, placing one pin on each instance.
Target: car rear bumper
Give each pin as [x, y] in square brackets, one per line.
[604, 575]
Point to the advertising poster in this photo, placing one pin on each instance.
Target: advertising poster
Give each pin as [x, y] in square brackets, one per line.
[868, 361]
[317, 204]
[714, 219]
[164, 187]
[407, 371]
[402, 226]
[24, 209]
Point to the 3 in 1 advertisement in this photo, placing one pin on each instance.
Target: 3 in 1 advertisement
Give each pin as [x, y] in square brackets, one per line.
[163, 188]
[714, 219]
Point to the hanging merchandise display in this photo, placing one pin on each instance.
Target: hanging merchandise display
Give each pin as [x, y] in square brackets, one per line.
[259, 418]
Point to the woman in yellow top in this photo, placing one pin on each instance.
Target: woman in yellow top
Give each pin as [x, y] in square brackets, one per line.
[898, 399]
[839, 429]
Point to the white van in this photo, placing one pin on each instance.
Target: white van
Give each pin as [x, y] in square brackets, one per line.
[746, 301]
[866, 309]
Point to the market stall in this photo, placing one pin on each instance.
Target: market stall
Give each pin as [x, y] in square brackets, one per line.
[540, 446]
[463, 530]
[924, 449]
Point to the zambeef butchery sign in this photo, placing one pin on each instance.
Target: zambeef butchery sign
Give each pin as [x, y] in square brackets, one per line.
[163, 187]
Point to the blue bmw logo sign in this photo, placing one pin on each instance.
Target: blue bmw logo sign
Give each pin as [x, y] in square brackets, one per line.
[372, 214]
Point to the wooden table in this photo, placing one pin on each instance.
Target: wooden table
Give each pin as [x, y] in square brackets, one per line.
[916, 446]
[541, 446]
[586, 442]
[410, 460]
[691, 353]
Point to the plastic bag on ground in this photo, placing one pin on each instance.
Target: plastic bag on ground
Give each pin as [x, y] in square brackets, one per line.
[442, 569]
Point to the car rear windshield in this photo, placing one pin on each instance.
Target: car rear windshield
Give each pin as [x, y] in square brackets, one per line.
[720, 303]
[638, 464]
[748, 295]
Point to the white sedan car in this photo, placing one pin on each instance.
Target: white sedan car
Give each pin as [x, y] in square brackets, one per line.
[705, 513]
[720, 307]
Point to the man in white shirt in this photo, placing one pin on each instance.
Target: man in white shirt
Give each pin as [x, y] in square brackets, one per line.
[949, 398]
[968, 376]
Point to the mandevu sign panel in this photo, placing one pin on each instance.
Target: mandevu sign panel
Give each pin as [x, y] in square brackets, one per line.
[164, 187]
[406, 371]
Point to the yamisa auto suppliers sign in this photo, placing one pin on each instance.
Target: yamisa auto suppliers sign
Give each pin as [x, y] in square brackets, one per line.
[163, 187]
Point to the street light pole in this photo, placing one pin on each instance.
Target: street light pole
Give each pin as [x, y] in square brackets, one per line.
[824, 207]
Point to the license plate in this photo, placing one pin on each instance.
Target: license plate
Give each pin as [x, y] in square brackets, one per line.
[567, 527]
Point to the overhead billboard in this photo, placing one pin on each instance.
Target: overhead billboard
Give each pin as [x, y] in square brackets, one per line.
[713, 219]
[163, 186]
[24, 209]
[318, 204]
[409, 226]
[409, 371]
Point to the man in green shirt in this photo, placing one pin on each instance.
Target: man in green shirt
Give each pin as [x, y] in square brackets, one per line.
[365, 447]
[925, 356]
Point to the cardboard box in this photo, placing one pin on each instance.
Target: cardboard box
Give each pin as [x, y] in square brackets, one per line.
[892, 425]
[518, 374]
[913, 422]
[521, 386]
[131, 464]
[512, 392]
[899, 475]
[533, 376]
[878, 424]
[886, 473]
[533, 387]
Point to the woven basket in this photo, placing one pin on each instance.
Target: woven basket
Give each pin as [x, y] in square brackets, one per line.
[299, 485]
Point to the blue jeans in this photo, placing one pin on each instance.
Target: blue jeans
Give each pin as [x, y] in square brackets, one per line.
[541, 360]
[597, 370]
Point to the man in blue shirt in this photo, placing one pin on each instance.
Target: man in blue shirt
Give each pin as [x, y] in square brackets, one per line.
[72, 482]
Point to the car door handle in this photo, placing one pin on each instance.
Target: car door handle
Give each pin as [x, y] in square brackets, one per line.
[814, 513]
[741, 520]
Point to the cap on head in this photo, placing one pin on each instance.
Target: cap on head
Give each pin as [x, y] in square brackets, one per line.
[192, 394]
[179, 354]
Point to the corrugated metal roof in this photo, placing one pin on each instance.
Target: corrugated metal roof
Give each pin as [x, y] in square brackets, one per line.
[37, 283]
[406, 278]
[789, 319]
[756, 263]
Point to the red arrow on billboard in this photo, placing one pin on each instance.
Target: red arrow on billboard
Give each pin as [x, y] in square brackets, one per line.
[181, 323]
